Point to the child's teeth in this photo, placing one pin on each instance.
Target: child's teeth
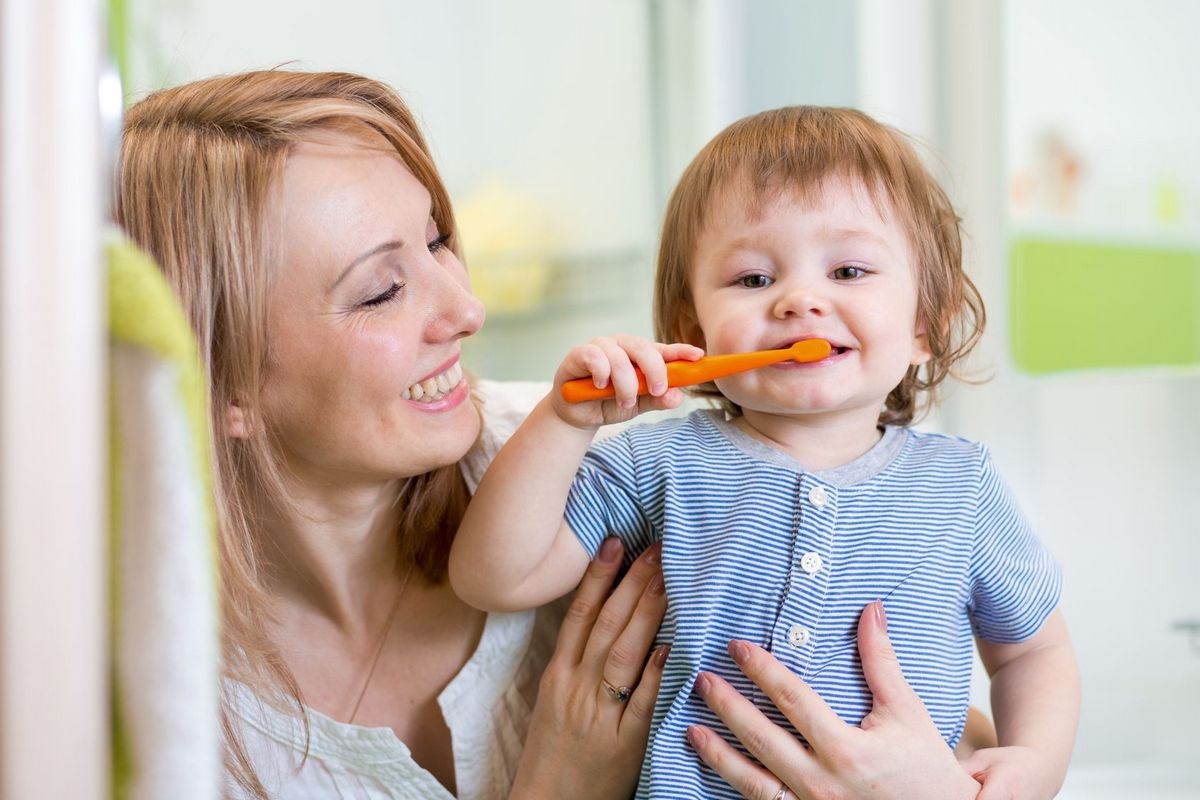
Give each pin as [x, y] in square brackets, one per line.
[443, 383]
[417, 391]
[407, 395]
[430, 386]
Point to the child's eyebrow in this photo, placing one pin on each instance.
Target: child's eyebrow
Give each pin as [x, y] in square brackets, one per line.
[855, 234]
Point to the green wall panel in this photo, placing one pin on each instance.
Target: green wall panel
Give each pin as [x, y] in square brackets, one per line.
[1088, 304]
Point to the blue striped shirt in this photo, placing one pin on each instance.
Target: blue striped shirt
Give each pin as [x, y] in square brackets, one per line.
[757, 548]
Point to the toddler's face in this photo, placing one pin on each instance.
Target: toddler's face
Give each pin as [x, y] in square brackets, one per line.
[836, 268]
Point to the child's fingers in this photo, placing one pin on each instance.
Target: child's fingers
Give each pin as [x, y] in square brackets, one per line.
[645, 354]
[584, 361]
[624, 379]
[673, 398]
[680, 352]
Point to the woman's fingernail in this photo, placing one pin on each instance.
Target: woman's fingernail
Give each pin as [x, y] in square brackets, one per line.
[880, 613]
[703, 684]
[660, 655]
[608, 551]
[695, 736]
[657, 587]
[654, 555]
[739, 651]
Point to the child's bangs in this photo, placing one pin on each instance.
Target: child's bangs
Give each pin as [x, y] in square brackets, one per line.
[797, 154]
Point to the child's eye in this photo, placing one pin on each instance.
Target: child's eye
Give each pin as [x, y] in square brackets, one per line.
[848, 272]
[385, 296]
[755, 281]
[438, 243]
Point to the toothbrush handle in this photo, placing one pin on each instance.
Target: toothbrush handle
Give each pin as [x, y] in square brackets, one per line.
[690, 373]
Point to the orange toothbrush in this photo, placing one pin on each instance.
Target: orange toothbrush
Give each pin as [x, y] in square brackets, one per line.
[689, 373]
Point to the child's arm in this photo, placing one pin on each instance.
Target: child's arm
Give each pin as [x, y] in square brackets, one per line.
[513, 549]
[1035, 700]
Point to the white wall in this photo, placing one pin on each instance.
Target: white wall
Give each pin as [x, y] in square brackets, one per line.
[1107, 464]
[1119, 81]
[526, 90]
[552, 99]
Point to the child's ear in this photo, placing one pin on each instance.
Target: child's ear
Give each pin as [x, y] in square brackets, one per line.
[238, 422]
[920, 351]
[689, 328]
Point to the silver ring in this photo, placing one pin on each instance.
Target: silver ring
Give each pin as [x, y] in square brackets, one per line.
[782, 793]
[619, 693]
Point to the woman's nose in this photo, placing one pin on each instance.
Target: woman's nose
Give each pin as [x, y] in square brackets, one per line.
[457, 312]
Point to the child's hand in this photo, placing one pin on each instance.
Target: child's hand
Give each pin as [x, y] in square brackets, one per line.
[612, 360]
[1010, 773]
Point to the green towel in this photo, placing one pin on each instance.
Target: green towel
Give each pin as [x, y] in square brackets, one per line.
[166, 740]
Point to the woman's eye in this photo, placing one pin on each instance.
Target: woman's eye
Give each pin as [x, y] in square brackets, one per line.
[755, 281]
[848, 273]
[438, 243]
[384, 296]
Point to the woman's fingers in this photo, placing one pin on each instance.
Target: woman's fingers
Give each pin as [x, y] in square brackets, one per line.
[627, 656]
[803, 707]
[774, 747]
[880, 666]
[747, 778]
[589, 599]
[619, 608]
[640, 709]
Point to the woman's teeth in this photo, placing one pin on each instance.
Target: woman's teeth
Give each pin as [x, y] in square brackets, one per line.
[435, 388]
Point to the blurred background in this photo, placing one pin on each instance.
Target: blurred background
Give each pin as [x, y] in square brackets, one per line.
[1065, 131]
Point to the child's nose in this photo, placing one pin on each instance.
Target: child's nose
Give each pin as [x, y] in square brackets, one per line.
[801, 299]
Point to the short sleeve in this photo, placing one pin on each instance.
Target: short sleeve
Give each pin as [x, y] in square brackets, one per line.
[606, 499]
[1015, 582]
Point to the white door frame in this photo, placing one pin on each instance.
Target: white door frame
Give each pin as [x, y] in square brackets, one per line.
[53, 535]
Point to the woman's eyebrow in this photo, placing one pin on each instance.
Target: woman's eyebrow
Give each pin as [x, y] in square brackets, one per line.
[385, 247]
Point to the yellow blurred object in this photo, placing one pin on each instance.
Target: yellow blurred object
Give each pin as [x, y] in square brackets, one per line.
[507, 245]
[1167, 202]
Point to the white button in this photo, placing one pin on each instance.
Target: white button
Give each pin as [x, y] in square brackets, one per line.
[798, 636]
[811, 563]
[818, 497]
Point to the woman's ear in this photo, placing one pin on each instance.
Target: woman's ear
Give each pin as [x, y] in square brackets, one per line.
[238, 424]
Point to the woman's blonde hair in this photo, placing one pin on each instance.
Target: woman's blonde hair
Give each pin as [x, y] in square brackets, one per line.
[794, 150]
[197, 167]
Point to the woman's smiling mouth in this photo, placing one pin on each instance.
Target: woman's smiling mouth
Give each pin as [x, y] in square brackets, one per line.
[436, 387]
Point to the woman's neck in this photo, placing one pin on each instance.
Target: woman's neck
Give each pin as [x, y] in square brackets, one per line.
[334, 550]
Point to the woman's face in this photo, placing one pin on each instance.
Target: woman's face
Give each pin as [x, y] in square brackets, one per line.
[366, 315]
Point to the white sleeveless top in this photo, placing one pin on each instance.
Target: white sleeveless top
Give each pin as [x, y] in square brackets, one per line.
[486, 706]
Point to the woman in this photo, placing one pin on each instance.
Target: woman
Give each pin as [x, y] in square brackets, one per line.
[303, 225]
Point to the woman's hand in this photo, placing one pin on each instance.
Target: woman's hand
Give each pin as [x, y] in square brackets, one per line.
[583, 741]
[896, 754]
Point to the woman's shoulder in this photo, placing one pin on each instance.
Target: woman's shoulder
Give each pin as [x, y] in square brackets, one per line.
[503, 406]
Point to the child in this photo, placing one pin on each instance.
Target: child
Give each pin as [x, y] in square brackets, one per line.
[807, 497]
